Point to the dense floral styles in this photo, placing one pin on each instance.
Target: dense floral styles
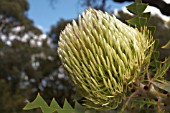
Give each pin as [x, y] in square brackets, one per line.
[103, 56]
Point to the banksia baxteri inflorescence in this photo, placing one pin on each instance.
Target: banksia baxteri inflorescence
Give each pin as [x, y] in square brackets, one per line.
[103, 56]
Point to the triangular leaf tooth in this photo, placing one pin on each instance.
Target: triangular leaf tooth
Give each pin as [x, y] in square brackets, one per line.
[79, 108]
[38, 102]
[54, 105]
[137, 21]
[167, 45]
[131, 8]
[67, 105]
[136, 8]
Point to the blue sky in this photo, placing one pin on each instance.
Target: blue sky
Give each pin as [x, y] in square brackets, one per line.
[44, 15]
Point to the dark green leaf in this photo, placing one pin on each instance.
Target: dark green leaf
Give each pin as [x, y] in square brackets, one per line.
[136, 8]
[146, 15]
[137, 21]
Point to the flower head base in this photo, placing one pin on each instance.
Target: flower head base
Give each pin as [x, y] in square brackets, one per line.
[103, 56]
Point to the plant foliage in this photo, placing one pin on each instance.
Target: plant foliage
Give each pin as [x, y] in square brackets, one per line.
[149, 91]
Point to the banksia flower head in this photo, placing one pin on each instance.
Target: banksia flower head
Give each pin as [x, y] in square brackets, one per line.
[103, 56]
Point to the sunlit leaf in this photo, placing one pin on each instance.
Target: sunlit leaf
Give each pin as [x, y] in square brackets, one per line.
[38, 103]
[67, 108]
[54, 105]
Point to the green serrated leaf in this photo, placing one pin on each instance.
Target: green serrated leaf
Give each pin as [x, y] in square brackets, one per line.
[67, 105]
[165, 87]
[137, 21]
[78, 108]
[167, 45]
[136, 8]
[146, 15]
[38, 102]
[67, 108]
[54, 105]
[46, 110]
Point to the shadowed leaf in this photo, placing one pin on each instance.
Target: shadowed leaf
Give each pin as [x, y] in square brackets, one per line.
[136, 8]
[137, 21]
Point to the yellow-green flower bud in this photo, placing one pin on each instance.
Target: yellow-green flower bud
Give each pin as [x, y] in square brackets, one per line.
[103, 56]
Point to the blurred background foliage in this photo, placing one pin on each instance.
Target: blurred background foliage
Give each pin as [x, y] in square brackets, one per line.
[29, 62]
